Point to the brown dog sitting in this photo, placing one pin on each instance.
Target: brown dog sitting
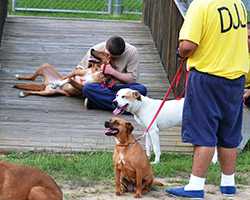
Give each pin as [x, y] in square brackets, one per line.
[133, 171]
[19, 182]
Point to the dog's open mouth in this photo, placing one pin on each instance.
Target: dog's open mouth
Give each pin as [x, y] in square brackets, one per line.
[111, 131]
[120, 109]
[94, 60]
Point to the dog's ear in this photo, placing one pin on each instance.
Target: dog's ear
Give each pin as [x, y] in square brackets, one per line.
[92, 52]
[129, 127]
[136, 95]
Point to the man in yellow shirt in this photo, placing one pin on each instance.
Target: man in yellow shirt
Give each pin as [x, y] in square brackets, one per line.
[213, 38]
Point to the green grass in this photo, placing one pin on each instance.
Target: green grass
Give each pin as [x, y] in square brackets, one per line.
[97, 166]
[93, 166]
[79, 16]
[98, 5]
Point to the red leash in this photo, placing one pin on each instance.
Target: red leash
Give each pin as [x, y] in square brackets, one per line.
[175, 82]
[178, 97]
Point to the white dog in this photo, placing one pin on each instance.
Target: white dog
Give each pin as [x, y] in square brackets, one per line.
[144, 108]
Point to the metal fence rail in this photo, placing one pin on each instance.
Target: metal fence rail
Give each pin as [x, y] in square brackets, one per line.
[116, 7]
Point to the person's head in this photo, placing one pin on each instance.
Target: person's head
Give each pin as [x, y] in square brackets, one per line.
[115, 46]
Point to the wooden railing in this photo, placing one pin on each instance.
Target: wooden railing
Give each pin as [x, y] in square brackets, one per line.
[164, 18]
[3, 15]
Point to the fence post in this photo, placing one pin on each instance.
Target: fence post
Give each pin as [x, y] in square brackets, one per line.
[13, 5]
[118, 7]
[110, 6]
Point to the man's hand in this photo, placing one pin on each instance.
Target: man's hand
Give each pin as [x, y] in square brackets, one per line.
[122, 77]
[107, 69]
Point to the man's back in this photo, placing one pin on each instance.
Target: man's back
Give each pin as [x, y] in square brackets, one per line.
[219, 29]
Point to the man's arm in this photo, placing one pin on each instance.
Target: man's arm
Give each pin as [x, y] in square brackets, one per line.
[132, 68]
[123, 77]
[187, 48]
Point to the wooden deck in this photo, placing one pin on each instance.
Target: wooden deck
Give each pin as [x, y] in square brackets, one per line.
[62, 123]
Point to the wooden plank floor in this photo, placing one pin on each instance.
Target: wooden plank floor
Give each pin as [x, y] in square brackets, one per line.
[63, 123]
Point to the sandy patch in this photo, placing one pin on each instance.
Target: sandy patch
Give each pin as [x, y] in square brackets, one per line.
[105, 191]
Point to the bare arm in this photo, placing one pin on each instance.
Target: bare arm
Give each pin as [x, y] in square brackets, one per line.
[123, 77]
[187, 48]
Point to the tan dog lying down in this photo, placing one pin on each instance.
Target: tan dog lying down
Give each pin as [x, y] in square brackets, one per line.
[133, 171]
[25, 183]
[70, 85]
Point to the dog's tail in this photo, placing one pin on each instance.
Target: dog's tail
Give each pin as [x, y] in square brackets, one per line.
[157, 183]
[30, 86]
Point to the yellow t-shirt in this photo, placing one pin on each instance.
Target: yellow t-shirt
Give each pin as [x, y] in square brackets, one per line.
[219, 29]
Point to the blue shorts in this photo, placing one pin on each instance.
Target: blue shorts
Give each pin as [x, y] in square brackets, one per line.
[212, 113]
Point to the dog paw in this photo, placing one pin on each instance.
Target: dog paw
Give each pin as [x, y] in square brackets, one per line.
[118, 193]
[17, 76]
[137, 195]
[22, 94]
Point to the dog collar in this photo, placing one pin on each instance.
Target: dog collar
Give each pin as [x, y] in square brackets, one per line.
[126, 145]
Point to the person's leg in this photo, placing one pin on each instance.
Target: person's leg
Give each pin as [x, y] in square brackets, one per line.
[199, 126]
[229, 134]
[99, 97]
[134, 86]
[227, 158]
[139, 87]
[201, 160]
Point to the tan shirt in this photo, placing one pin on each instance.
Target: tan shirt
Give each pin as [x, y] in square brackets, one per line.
[128, 62]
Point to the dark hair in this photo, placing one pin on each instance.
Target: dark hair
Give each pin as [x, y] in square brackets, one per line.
[115, 45]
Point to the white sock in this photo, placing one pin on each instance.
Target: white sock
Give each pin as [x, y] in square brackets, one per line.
[195, 183]
[227, 180]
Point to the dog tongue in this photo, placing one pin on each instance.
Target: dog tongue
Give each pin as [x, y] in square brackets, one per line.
[110, 131]
[107, 130]
[117, 111]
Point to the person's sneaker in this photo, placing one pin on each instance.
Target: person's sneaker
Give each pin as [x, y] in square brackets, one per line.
[89, 105]
[228, 190]
[181, 192]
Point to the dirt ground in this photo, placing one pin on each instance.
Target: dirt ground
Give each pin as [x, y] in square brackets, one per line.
[105, 191]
